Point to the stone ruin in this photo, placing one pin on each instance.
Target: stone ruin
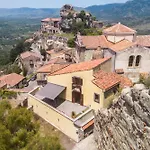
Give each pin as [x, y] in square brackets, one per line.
[126, 124]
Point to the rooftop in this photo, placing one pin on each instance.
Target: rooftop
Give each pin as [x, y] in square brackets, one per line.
[143, 40]
[68, 107]
[105, 80]
[50, 68]
[2, 84]
[122, 45]
[28, 54]
[83, 66]
[11, 79]
[50, 19]
[93, 41]
[55, 53]
[57, 60]
[51, 92]
[119, 29]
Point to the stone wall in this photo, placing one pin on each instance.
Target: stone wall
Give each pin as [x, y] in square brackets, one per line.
[126, 125]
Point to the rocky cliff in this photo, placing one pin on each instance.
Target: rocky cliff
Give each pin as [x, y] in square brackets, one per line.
[126, 125]
[70, 19]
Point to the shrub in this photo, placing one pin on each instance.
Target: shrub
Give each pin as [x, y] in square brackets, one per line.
[71, 43]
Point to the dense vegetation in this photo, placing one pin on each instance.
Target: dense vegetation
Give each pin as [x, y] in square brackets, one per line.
[17, 24]
[134, 13]
[19, 131]
[13, 30]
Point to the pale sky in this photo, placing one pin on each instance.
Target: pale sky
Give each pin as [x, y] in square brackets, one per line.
[53, 3]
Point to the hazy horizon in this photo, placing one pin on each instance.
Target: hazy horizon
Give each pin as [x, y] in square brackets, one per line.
[54, 4]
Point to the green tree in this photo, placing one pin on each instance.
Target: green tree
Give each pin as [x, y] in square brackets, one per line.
[13, 68]
[71, 43]
[18, 49]
[25, 71]
[44, 143]
[18, 131]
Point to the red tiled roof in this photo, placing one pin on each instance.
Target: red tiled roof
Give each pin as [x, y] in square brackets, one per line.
[143, 40]
[83, 66]
[119, 29]
[11, 79]
[105, 80]
[28, 54]
[50, 68]
[93, 42]
[57, 60]
[88, 124]
[2, 84]
[122, 45]
[51, 19]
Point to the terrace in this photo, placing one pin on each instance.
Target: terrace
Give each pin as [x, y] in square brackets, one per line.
[53, 95]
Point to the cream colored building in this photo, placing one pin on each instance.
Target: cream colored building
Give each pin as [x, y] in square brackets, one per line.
[73, 93]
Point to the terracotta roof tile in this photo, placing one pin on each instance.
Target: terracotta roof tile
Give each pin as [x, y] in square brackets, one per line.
[88, 124]
[143, 40]
[105, 80]
[119, 29]
[83, 66]
[28, 54]
[2, 84]
[57, 60]
[11, 79]
[93, 42]
[50, 68]
[122, 45]
[51, 19]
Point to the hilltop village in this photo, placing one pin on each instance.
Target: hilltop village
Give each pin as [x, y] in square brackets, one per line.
[71, 75]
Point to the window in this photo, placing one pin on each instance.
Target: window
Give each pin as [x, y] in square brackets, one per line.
[31, 64]
[138, 59]
[131, 60]
[97, 98]
[77, 81]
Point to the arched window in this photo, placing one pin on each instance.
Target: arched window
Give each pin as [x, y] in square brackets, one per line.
[138, 60]
[131, 60]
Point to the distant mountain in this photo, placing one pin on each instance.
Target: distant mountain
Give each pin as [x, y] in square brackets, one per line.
[133, 12]
[104, 11]
[133, 9]
[29, 12]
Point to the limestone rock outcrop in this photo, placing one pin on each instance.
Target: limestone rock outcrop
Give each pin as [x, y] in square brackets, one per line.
[126, 124]
[70, 16]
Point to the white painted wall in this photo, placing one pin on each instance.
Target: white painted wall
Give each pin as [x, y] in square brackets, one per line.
[118, 38]
[122, 59]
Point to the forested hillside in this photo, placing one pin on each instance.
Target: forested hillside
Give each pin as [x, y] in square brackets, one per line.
[12, 31]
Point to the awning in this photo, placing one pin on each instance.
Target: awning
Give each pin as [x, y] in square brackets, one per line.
[88, 124]
[50, 91]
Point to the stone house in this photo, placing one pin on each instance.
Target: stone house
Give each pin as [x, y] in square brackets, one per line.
[130, 53]
[50, 25]
[30, 60]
